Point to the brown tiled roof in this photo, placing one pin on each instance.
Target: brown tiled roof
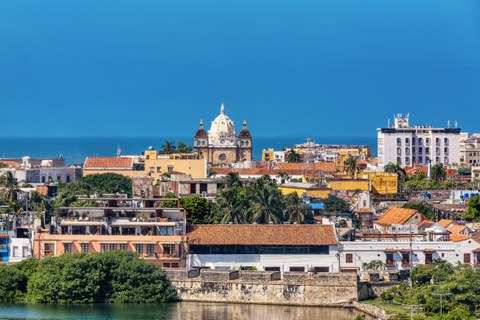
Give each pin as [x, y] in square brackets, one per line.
[456, 229]
[395, 215]
[257, 234]
[112, 162]
[458, 237]
[426, 224]
[316, 166]
[444, 222]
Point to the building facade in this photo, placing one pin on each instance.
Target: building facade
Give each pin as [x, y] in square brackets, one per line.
[407, 145]
[470, 151]
[221, 144]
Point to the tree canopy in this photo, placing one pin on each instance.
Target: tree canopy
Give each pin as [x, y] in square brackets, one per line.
[110, 277]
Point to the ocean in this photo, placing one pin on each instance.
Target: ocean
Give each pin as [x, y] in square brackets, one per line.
[76, 149]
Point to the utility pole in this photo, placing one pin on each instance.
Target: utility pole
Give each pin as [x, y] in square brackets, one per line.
[411, 253]
[441, 295]
[412, 309]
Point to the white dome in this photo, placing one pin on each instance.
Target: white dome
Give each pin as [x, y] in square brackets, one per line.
[222, 131]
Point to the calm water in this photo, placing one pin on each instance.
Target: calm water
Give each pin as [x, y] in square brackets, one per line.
[76, 149]
[175, 311]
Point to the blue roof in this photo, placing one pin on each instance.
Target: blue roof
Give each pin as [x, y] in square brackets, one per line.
[317, 205]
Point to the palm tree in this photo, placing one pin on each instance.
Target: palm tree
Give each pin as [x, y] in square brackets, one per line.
[183, 148]
[351, 166]
[266, 201]
[10, 184]
[292, 156]
[232, 179]
[401, 174]
[230, 205]
[169, 147]
[283, 177]
[296, 210]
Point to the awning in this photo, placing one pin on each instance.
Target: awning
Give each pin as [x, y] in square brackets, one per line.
[476, 250]
[429, 250]
[390, 250]
[404, 250]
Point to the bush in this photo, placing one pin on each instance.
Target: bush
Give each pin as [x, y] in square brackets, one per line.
[110, 277]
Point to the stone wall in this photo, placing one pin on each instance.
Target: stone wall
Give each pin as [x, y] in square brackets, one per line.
[295, 289]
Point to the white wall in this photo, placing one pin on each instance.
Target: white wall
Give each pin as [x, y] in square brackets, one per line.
[20, 249]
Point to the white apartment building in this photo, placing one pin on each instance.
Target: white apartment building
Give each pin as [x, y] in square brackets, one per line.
[470, 150]
[407, 145]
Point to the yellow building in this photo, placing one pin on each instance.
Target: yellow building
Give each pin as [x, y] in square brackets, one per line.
[309, 189]
[268, 155]
[151, 164]
[381, 183]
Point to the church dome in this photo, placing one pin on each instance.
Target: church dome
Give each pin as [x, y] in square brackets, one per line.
[222, 131]
[244, 133]
[201, 133]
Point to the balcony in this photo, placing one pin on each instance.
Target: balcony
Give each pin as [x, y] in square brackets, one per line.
[405, 264]
[390, 264]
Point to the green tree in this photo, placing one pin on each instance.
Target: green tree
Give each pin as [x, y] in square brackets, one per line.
[230, 206]
[283, 177]
[296, 210]
[351, 166]
[336, 204]
[266, 201]
[169, 147]
[438, 172]
[198, 209]
[401, 174]
[473, 210]
[424, 209]
[292, 156]
[232, 179]
[183, 148]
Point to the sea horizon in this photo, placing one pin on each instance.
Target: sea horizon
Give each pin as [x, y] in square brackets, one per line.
[76, 148]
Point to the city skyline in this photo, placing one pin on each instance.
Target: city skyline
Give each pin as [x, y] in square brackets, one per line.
[305, 69]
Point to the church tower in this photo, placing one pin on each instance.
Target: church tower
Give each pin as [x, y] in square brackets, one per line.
[221, 145]
[244, 150]
[200, 141]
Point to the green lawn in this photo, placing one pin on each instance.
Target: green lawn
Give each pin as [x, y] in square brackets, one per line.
[389, 307]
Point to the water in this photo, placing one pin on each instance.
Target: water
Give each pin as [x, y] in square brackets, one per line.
[181, 310]
[76, 149]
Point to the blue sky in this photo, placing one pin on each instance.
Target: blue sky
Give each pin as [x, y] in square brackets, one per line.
[317, 68]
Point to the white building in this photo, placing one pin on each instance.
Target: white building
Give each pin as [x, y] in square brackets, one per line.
[407, 145]
[470, 151]
[270, 247]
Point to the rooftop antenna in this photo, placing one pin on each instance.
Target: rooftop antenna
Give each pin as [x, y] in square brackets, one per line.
[448, 124]
[389, 122]
[119, 151]
[456, 124]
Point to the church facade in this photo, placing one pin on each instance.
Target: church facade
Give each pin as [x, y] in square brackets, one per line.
[222, 145]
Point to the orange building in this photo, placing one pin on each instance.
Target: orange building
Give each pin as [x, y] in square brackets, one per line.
[156, 234]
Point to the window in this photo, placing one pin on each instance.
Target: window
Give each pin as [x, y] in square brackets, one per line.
[193, 188]
[174, 265]
[321, 269]
[389, 261]
[84, 247]
[420, 150]
[123, 247]
[407, 151]
[297, 269]
[59, 178]
[272, 268]
[103, 247]
[113, 247]
[405, 259]
[349, 258]
[420, 159]
[445, 160]
[15, 251]
[399, 151]
[445, 141]
[407, 161]
[399, 142]
[420, 141]
[437, 141]
[407, 141]
[139, 248]
[44, 179]
[399, 160]
[150, 249]
[67, 247]
[222, 157]
[428, 258]
[445, 150]
[68, 179]
[427, 141]
[169, 250]
[466, 258]
[170, 168]
[49, 249]
[427, 150]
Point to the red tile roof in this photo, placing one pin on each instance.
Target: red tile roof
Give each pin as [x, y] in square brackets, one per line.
[444, 222]
[458, 237]
[112, 162]
[395, 215]
[316, 166]
[10, 163]
[288, 168]
[456, 229]
[257, 234]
